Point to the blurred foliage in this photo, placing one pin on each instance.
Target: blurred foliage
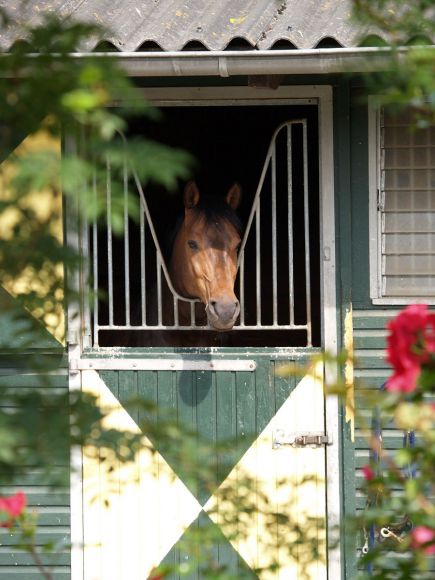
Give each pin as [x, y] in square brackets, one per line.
[65, 95]
[399, 486]
[409, 79]
[402, 21]
[396, 529]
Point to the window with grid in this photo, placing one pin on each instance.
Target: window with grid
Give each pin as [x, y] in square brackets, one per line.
[402, 209]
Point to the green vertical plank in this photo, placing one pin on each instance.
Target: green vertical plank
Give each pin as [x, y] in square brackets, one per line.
[205, 387]
[166, 398]
[226, 459]
[207, 424]
[110, 379]
[226, 429]
[188, 551]
[186, 417]
[245, 409]
[265, 396]
[357, 109]
[283, 386]
[186, 400]
[167, 414]
[147, 393]
[128, 392]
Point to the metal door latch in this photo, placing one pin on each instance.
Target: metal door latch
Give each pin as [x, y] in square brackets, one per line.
[281, 437]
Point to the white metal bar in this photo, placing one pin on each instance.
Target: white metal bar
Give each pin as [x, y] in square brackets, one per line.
[290, 222]
[95, 260]
[176, 316]
[307, 234]
[87, 335]
[109, 239]
[195, 326]
[161, 364]
[86, 281]
[274, 240]
[258, 263]
[126, 246]
[142, 264]
[242, 290]
[192, 314]
[159, 288]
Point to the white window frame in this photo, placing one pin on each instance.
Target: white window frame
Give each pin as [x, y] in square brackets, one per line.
[375, 216]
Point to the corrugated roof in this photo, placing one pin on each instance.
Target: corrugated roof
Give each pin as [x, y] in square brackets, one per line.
[173, 25]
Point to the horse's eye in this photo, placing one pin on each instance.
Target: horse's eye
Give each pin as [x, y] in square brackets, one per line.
[192, 245]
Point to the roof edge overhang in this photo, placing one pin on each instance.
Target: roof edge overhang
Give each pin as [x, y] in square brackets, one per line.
[256, 62]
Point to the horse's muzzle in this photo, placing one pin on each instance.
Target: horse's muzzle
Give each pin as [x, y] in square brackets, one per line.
[222, 314]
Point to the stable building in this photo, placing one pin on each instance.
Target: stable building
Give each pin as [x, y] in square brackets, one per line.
[338, 208]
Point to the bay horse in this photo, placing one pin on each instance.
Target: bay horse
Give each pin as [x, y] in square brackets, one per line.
[203, 262]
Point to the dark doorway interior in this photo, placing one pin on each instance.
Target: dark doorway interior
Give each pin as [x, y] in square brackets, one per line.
[229, 144]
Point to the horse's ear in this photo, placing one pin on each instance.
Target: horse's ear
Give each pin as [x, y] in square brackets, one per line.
[191, 195]
[234, 196]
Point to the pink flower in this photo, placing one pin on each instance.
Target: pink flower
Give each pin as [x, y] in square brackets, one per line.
[410, 344]
[421, 536]
[368, 473]
[13, 506]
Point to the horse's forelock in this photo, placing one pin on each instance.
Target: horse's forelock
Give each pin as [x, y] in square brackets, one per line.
[215, 209]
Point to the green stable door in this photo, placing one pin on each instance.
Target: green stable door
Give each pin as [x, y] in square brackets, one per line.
[160, 511]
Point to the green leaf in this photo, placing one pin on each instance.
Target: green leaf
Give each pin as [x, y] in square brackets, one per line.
[83, 100]
[411, 489]
[35, 171]
[403, 457]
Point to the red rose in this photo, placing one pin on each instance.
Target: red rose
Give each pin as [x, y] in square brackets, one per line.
[404, 381]
[410, 344]
[423, 537]
[368, 472]
[13, 506]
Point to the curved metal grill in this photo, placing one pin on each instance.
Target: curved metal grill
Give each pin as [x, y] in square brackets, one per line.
[274, 282]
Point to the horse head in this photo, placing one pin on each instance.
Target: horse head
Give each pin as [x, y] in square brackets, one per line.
[204, 257]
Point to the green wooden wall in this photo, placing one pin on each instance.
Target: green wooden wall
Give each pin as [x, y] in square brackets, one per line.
[369, 322]
[38, 367]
